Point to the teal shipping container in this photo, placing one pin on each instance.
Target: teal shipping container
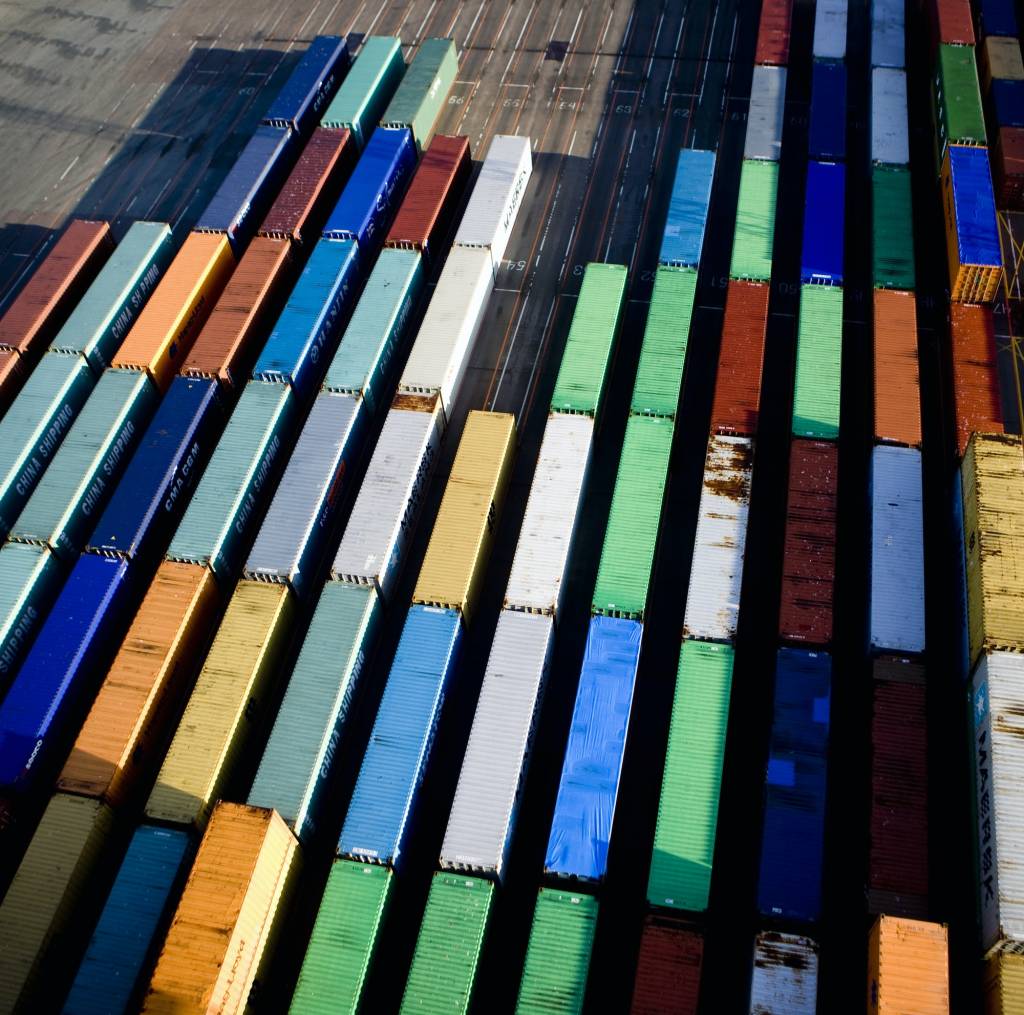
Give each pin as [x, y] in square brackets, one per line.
[367, 88]
[420, 97]
[30, 578]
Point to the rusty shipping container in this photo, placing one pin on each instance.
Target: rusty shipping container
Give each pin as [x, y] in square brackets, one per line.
[668, 968]
[773, 32]
[740, 359]
[1007, 156]
[908, 967]
[976, 403]
[897, 390]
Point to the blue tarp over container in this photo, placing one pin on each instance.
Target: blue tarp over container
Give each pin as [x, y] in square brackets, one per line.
[683, 237]
[311, 86]
[793, 834]
[975, 206]
[589, 785]
[380, 812]
[368, 202]
[306, 335]
[827, 135]
[822, 255]
[997, 17]
[1008, 102]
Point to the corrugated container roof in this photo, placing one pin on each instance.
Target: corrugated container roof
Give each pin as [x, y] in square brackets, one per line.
[997, 17]
[311, 84]
[1000, 57]
[958, 96]
[755, 221]
[819, 361]
[951, 21]
[890, 142]
[976, 403]
[892, 234]
[1003, 984]
[908, 967]
[773, 32]
[683, 235]
[826, 137]
[821, 257]
[367, 87]
[830, 30]
[423, 91]
[737, 400]
[897, 377]
[1008, 167]
[30, 577]
[972, 234]
[765, 116]
[1006, 101]
[668, 968]
[785, 980]
[887, 34]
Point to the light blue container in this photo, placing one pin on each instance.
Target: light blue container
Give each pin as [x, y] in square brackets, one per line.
[683, 238]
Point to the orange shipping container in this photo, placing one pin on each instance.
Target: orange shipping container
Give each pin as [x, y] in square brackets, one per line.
[10, 376]
[897, 381]
[908, 967]
[163, 334]
[222, 929]
[976, 404]
[119, 746]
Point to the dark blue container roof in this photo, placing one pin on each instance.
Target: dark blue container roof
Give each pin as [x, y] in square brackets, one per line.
[1008, 102]
[683, 237]
[824, 211]
[311, 86]
[998, 17]
[975, 205]
[827, 136]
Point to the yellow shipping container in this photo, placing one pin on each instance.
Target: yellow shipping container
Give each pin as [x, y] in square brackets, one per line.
[41, 909]
[993, 491]
[999, 57]
[461, 541]
[223, 928]
[908, 967]
[240, 670]
[1003, 985]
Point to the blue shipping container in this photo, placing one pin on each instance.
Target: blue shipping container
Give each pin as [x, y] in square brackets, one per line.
[975, 206]
[311, 85]
[380, 812]
[683, 237]
[589, 785]
[1008, 102]
[123, 945]
[793, 836]
[307, 333]
[250, 186]
[367, 204]
[824, 214]
[997, 17]
[827, 136]
[163, 472]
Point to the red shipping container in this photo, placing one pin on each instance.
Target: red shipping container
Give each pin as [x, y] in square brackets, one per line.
[897, 378]
[976, 403]
[740, 360]
[1008, 167]
[951, 22]
[312, 188]
[898, 853]
[809, 548]
[668, 970]
[434, 195]
[773, 32]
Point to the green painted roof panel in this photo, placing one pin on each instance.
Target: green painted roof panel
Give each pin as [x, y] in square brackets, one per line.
[893, 232]
[819, 355]
[367, 88]
[423, 92]
[755, 221]
[958, 96]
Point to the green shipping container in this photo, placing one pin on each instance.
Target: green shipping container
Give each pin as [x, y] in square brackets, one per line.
[558, 955]
[581, 377]
[30, 576]
[367, 88]
[344, 936]
[684, 838]
[659, 376]
[957, 97]
[448, 948]
[893, 232]
[819, 356]
[421, 96]
[755, 221]
[624, 573]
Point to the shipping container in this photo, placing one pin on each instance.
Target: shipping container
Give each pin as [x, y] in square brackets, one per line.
[226, 705]
[382, 520]
[897, 550]
[1006, 100]
[793, 833]
[908, 967]
[684, 837]
[307, 333]
[1007, 156]
[627, 554]
[892, 235]
[826, 137]
[310, 86]
[890, 143]
[897, 876]
[819, 360]
[1000, 57]
[161, 338]
[668, 969]
[558, 955]
[765, 116]
[740, 360]
[976, 402]
[383, 804]
[585, 808]
[773, 32]
[30, 578]
[428, 209]
[451, 937]
[961, 658]
[583, 371]
[85, 470]
[897, 384]
[1003, 984]
[809, 543]
[997, 17]
[830, 30]
[493, 207]
[887, 34]
[223, 927]
[716, 572]
[483, 814]
[13, 369]
[113, 302]
[958, 115]
[683, 236]
[755, 222]
[950, 22]
[423, 91]
[821, 258]
[785, 980]
[367, 88]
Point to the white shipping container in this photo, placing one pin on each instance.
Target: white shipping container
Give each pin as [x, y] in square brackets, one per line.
[443, 344]
[483, 812]
[998, 731]
[765, 117]
[897, 550]
[545, 540]
[887, 34]
[830, 30]
[716, 576]
[785, 980]
[890, 143]
[497, 195]
[379, 528]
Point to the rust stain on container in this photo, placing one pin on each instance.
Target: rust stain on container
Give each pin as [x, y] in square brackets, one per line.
[897, 381]
[415, 403]
[730, 478]
[740, 360]
[975, 380]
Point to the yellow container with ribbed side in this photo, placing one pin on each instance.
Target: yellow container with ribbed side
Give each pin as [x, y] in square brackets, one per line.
[464, 530]
[908, 967]
[240, 670]
[1003, 985]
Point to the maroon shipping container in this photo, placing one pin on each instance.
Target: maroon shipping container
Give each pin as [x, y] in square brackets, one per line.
[738, 388]
[312, 187]
[898, 854]
[1008, 167]
[46, 301]
[951, 22]
[809, 549]
[433, 196]
[773, 32]
[976, 404]
[668, 970]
